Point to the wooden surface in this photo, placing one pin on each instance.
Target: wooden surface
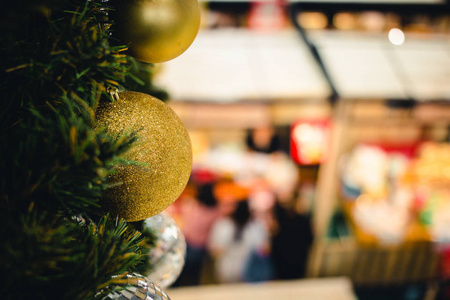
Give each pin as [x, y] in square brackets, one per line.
[311, 289]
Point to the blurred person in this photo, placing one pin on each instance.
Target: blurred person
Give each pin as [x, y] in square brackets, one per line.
[197, 215]
[259, 266]
[261, 197]
[263, 140]
[291, 238]
[233, 239]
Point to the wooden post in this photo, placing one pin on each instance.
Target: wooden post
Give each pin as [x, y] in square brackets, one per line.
[327, 181]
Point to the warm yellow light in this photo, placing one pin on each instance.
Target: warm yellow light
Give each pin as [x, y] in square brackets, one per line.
[312, 20]
[345, 21]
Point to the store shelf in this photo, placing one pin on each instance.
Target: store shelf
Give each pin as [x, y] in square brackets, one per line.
[382, 249]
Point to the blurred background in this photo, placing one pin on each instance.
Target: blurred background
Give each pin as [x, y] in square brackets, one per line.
[327, 123]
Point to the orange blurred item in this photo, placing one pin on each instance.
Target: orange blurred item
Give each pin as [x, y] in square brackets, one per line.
[226, 190]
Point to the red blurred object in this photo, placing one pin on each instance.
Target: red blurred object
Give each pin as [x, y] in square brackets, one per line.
[310, 141]
[203, 176]
[408, 150]
[267, 15]
[445, 263]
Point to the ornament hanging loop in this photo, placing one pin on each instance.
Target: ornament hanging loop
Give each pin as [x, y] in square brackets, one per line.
[113, 92]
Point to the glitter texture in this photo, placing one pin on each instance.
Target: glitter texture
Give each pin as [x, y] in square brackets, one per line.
[167, 255]
[163, 152]
[139, 288]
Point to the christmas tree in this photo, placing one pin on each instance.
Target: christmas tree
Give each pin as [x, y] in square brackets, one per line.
[73, 217]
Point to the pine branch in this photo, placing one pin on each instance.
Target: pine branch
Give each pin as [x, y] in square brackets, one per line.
[50, 57]
[58, 161]
[59, 64]
[66, 259]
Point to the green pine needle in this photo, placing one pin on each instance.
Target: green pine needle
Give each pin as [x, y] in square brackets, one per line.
[59, 63]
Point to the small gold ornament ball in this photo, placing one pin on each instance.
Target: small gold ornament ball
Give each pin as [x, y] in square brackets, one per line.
[156, 30]
[163, 150]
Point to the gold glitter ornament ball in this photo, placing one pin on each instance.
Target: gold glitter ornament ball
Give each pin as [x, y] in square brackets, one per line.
[156, 30]
[163, 149]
